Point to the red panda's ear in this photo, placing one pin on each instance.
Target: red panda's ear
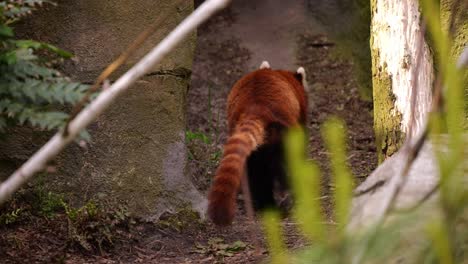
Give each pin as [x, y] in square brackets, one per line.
[302, 77]
[265, 65]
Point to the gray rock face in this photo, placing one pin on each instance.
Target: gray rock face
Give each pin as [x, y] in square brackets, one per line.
[137, 155]
[374, 195]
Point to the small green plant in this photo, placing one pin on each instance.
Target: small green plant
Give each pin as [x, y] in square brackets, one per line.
[49, 203]
[216, 156]
[11, 217]
[92, 227]
[218, 248]
[73, 213]
[38, 200]
[180, 220]
[192, 136]
[197, 140]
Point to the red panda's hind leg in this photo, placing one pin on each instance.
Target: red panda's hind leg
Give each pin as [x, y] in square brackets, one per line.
[265, 171]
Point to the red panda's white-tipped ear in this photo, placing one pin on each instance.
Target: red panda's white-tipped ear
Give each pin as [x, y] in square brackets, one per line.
[265, 65]
[301, 71]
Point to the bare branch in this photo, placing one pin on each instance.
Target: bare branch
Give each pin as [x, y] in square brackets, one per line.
[58, 142]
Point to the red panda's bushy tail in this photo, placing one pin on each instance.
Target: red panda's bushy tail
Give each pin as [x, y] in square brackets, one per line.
[249, 133]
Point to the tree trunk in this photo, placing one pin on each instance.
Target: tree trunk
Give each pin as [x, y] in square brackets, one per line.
[395, 34]
[395, 37]
[137, 155]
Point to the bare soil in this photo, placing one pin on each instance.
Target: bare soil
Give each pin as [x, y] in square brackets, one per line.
[224, 53]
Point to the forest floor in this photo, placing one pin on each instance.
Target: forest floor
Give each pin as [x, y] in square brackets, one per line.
[229, 45]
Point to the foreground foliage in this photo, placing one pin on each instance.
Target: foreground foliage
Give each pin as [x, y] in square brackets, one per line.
[421, 235]
[31, 91]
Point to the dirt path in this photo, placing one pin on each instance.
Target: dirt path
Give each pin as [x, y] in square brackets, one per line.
[283, 33]
[230, 45]
[268, 29]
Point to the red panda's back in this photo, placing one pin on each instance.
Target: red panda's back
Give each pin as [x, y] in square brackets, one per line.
[272, 95]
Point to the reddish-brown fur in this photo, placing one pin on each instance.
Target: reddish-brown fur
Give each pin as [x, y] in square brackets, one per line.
[260, 105]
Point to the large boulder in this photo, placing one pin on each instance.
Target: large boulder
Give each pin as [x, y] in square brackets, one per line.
[137, 155]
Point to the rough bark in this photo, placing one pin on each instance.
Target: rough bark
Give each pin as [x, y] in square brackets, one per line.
[391, 83]
[137, 155]
[395, 34]
[460, 35]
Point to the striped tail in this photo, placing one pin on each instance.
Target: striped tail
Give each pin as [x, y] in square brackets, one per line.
[249, 134]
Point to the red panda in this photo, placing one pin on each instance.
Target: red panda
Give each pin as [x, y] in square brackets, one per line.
[260, 107]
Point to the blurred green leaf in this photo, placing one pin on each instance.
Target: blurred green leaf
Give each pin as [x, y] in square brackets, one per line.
[441, 242]
[31, 91]
[31, 44]
[333, 133]
[271, 222]
[8, 57]
[452, 180]
[6, 31]
[305, 178]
